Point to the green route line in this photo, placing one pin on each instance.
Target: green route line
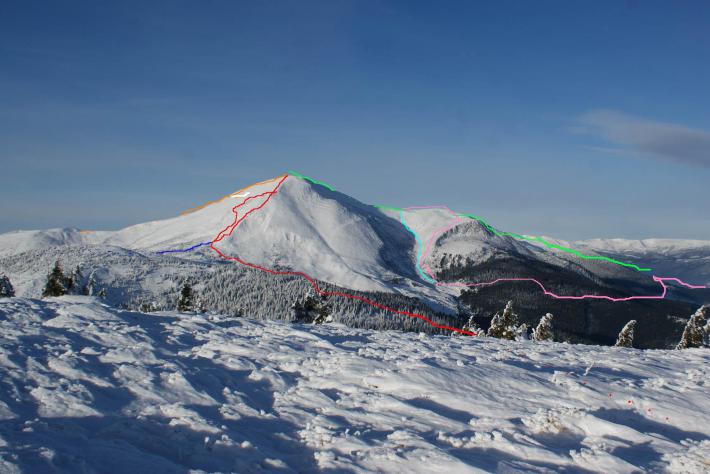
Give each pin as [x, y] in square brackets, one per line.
[553, 246]
[495, 231]
[388, 208]
[314, 181]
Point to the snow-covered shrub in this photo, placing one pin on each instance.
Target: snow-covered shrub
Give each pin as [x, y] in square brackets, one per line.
[504, 326]
[694, 333]
[6, 289]
[77, 282]
[521, 333]
[471, 326]
[543, 331]
[313, 309]
[626, 336]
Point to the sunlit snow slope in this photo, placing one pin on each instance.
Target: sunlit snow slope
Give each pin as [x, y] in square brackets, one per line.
[89, 388]
[325, 234]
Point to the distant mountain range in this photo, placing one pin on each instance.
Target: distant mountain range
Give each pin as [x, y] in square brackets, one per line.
[417, 256]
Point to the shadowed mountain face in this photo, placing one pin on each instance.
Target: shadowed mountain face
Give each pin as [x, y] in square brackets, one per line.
[596, 321]
[299, 226]
[660, 322]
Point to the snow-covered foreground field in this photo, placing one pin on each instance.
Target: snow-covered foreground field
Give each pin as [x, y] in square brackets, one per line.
[89, 388]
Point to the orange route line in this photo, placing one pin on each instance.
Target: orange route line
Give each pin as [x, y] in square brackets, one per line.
[193, 209]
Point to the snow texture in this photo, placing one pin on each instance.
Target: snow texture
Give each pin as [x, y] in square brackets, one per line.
[88, 388]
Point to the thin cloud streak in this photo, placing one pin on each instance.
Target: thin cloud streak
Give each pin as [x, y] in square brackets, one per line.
[647, 138]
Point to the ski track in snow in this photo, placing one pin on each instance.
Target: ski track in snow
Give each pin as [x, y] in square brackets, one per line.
[89, 388]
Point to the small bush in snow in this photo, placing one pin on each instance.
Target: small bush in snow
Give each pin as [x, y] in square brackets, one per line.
[77, 281]
[543, 331]
[626, 336]
[694, 333]
[6, 289]
[313, 309]
[471, 326]
[522, 332]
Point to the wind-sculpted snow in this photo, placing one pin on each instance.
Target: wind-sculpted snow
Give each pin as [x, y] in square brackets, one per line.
[88, 388]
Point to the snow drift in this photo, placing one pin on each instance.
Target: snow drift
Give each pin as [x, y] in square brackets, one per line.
[83, 383]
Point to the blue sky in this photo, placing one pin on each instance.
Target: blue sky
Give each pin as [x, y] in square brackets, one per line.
[568, 119]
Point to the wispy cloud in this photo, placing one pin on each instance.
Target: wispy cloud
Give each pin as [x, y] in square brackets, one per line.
[646, 138]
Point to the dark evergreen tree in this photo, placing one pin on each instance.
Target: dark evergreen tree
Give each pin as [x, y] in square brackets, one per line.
[187, 299]
[56, 282]
[6, 289]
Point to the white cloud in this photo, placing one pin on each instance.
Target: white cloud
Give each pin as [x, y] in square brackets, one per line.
[647, 138]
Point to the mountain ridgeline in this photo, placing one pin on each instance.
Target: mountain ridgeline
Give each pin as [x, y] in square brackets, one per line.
[412, 260]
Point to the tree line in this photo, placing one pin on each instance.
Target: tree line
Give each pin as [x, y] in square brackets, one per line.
[505, 325]
[317, 309]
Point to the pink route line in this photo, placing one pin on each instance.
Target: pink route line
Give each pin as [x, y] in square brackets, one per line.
[660, 280]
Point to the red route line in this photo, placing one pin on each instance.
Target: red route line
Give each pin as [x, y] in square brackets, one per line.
[227, 231]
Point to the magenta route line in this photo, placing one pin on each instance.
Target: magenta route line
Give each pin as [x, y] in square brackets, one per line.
[434, 235]
[660, 280]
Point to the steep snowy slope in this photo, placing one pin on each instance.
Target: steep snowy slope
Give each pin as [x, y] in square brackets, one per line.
[88, 388]
[325, 234]
[304, 227]
[198, 226]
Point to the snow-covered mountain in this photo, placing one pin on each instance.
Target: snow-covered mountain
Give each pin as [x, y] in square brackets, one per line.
[686, 259]
[292, 224]
[305, 227]
[85, 387]
[336, 238]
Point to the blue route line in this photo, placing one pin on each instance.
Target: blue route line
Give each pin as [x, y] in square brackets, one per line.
[183, 250]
